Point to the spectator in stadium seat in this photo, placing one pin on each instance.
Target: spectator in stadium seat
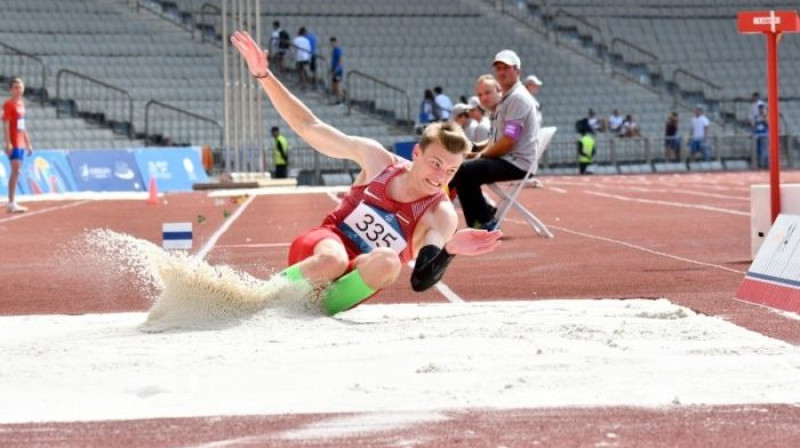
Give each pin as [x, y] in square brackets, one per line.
[395, 211]
[444, 105]
[302, 55]
[337, 69]
[697, 144]
[280, 153]
[595, 123]
[672, 140]
[427, 108]
[460, 115]
[615, 121]
[629, 128]
[479, 133]
[512, 146]
[533, 84]
[16, 140]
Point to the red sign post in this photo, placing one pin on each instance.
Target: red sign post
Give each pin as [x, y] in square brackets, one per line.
[772, 24]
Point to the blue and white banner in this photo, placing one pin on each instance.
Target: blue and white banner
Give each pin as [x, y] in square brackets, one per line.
[177, 235]
[46, 172]
[5, 173]
[105, 170]
[174, 169]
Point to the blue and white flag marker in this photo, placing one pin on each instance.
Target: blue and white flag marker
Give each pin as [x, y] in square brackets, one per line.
[177, 235]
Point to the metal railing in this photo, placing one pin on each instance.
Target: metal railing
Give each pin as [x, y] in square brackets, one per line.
[643, 155]
[376, 96]
[563, 19]
[168, 125]
[95, 99]
[692, 83]
[632, 55]
[32, 70]
[520, 11]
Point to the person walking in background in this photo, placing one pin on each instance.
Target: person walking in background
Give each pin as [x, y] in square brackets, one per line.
[281, 154]
[395, 211]
[16, 141]
[302, 56]
[672, 141]
[761, 133]
[312, 63]
[697, 144]
[337, 69]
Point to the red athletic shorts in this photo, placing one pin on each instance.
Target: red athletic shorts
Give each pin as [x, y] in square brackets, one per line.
[303, 246]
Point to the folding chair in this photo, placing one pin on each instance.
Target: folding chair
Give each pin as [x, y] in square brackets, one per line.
[508, 196]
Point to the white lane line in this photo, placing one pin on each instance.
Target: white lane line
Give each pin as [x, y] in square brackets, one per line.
[640, 248]
[556, 189]
[440, 286]
[669, 203]
[224, 228]
[252, 246]
[41, 211]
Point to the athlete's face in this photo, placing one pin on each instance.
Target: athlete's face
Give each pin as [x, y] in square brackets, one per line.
[488, 94]
[17, 90]
[435, 167]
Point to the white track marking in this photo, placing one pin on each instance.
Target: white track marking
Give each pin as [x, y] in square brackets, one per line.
[445, 290]
[669, 203]
[41, 211]
[253, 246]
[556, 189]
[224, 228]
[634, 246]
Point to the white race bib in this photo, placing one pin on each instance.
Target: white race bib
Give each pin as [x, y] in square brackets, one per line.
[20, 124]
[372, 227]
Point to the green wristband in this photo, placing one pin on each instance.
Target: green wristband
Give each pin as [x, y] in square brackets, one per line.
[346, 292]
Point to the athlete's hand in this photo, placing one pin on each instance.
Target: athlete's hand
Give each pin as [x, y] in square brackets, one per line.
[255, 57]
[473, 242]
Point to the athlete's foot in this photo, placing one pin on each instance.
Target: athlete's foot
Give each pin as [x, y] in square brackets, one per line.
[13, 207]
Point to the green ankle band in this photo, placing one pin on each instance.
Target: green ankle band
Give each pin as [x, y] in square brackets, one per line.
[346, 292]
[293, 274]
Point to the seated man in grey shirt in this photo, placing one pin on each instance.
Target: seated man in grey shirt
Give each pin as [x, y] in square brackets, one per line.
[512, 144]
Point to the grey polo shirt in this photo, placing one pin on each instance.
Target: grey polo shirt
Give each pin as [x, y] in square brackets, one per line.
[518, 117]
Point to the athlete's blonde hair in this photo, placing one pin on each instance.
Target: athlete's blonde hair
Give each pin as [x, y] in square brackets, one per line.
[449, 134]
[15, 81]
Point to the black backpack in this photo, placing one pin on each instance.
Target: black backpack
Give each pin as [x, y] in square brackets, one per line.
[283, 40]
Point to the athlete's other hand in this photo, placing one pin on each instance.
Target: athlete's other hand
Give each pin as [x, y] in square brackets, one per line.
[473, 242]
[255, 57]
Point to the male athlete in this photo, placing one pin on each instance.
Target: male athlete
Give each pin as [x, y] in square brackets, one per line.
[396, 210]
[16, 141]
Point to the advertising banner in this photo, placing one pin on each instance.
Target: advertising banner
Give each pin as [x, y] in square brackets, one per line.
[46, 171]
[105, 170]
[174, 169]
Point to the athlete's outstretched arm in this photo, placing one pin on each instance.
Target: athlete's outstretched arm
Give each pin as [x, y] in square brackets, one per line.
[320, 135]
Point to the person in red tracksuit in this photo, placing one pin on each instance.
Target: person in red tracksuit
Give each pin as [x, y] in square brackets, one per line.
[16, 141]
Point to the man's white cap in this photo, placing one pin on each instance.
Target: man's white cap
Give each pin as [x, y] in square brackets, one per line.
[534, 80]
[474, 102]
[459, 108]
[508, 57]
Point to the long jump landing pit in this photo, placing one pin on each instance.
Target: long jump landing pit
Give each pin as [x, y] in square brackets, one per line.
[422, 359]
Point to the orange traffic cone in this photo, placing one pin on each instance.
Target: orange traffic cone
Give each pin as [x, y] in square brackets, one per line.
[153, 199]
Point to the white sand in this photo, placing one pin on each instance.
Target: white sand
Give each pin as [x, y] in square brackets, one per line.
[389, 358]
[236, 345]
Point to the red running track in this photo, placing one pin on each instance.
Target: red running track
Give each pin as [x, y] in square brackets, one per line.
[683, 237]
